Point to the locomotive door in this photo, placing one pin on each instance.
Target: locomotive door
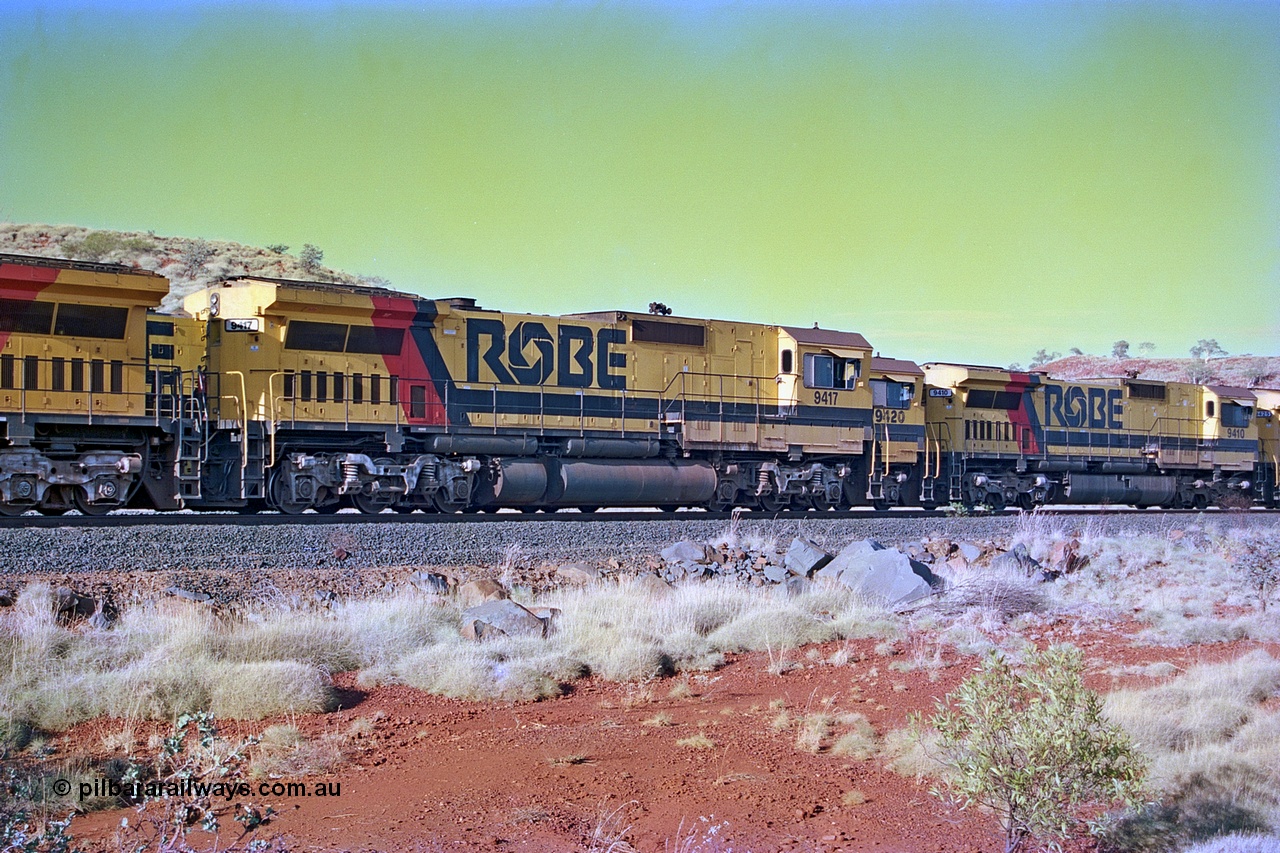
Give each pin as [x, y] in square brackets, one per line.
[787, 377]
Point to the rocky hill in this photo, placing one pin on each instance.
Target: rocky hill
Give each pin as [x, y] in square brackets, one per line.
[188, 263]
[1247, 371]
[192, 263]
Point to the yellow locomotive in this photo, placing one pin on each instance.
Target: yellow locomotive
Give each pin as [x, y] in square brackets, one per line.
[300, 395]
[88, 417]
[1004, 437]
[325, 394]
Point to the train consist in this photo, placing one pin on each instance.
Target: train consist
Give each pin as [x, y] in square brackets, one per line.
[298, 396]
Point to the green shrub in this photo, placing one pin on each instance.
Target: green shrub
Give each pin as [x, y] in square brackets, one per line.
[311, 257]
[97, 245]
[1033, 747]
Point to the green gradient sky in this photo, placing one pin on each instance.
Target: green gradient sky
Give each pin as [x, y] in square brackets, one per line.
[968, 181]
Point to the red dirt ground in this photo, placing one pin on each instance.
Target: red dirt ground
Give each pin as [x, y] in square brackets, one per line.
[440, 774]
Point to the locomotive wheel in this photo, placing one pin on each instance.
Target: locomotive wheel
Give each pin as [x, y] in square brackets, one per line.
[369, 504]
[443, 503]
[286, 507]
[820, 503]
[81, 502]
[588, 509]
[995, 502]
[772, 502]
[668, 507]
[880, 505]
[14, 510]
[1200, 502]
[723, 500]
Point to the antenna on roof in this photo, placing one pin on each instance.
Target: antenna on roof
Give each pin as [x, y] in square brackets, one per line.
[659, 309]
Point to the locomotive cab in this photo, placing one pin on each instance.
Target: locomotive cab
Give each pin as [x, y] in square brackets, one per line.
[897, 461]
[1267, 421]
[823, 415]
[1229, 446]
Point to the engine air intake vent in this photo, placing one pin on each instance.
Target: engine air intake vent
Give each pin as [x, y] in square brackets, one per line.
[664, 332]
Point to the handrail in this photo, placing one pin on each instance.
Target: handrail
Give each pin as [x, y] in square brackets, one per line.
[871, 463]
[139, 394]
[244, 421]
[924, 465]
[271, 400]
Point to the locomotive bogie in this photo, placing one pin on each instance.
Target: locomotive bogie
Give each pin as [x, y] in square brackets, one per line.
[30, 479]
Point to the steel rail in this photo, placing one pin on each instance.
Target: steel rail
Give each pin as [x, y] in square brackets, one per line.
[270, 519]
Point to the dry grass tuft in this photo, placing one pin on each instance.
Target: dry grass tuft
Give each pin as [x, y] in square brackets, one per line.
[853, 798]
[283, 751]
[1236, 843]
[698, 741]
[1007, 593]
[1215, 752]
[1207, 705]
[681, 690]
[781, 719]
[859, 742]
[912, 753]
[812, 731]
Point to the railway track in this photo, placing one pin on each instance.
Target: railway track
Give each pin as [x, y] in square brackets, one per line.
[143, 518]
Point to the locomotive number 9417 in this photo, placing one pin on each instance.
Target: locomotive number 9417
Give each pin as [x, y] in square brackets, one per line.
[826, 398]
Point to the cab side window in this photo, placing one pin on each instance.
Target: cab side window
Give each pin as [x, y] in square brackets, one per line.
[891, 395]
[830, 371]
[1234, 415]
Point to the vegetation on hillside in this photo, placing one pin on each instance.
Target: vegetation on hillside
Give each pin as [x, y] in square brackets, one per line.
[188, 263]
[1246, 371]
[193, 263]
[1207, 362]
